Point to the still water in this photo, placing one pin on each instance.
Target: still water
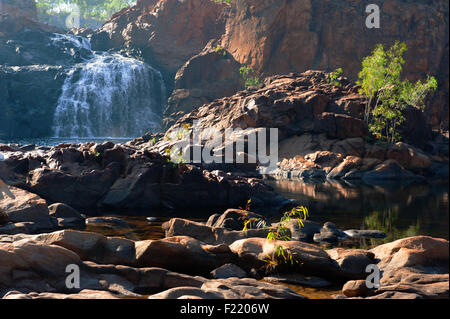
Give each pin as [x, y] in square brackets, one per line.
[399, 209]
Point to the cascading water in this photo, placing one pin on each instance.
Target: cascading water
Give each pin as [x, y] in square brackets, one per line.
[108, 95]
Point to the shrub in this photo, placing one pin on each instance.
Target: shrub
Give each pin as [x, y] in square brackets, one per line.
[380, 81]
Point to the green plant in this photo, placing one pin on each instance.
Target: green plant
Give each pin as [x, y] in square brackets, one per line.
[221, 51]
[96, 10]
[380, 81]
[333, 77]
[249, 76]
[286, 255]
[228, 2]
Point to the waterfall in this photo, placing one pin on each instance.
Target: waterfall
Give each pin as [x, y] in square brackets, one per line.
[108, 95]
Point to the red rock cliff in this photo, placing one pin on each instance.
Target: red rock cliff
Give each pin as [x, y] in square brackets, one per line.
[282, 36]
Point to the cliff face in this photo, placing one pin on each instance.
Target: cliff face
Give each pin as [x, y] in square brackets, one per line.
[282, 36]
[169, 32]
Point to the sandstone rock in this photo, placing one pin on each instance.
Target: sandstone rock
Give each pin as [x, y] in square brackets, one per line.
[181, 253]
[249, 24]
[207, 76]
[21, 206]
[128, 178]
[349, 163]
[228, 271]
[388, 170]
[353, 262]
[356, 288]
[168, 32]
[311, 259]
[207, 234]
[303, 232]
[231, 288]
[83, 294]
[329, 234]
[235, 219]
[416, 265]
[92, 246]
[67, 216]
[365, 233]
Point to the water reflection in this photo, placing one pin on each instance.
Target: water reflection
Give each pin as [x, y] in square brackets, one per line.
[400, 210]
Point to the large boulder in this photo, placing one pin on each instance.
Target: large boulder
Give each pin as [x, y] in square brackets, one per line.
[411, 268]
[18, 205]
[310, 259]
[183, 254]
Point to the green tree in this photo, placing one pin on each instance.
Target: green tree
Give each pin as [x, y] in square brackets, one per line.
[249, 76]
[380, 81]
[96, 10]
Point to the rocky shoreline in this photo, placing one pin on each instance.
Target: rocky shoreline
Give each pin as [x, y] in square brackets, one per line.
[179, 266]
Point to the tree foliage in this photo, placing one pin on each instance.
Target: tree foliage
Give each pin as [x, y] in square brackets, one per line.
[249, 76]
[380, 81]
[90, 10]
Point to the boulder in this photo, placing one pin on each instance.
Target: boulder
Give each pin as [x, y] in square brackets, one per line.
[92, 246]
[352, 262]
[67, 216]
[365, 233]
[388, 171]
[228, 271]
[22, 206]
[303, 232]
[231, 288]
[183, 254]
[310, 259]
[329, 234]
[356, 288]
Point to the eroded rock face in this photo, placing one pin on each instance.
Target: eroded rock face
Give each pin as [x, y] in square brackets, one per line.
[168, 32]
[209, 75]
[278, 37]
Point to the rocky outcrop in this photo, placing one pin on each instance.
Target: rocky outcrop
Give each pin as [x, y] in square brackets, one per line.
[34, 267]
[105, 175]
[167, 32]
[411, 268]
[209, 75]
[321, 131]
[32, 60]
[278, 37]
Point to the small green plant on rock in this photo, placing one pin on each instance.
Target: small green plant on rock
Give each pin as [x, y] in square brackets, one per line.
[249, 76]
[228, 2]
[286, 255]
[333, 77]
[221, 51]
